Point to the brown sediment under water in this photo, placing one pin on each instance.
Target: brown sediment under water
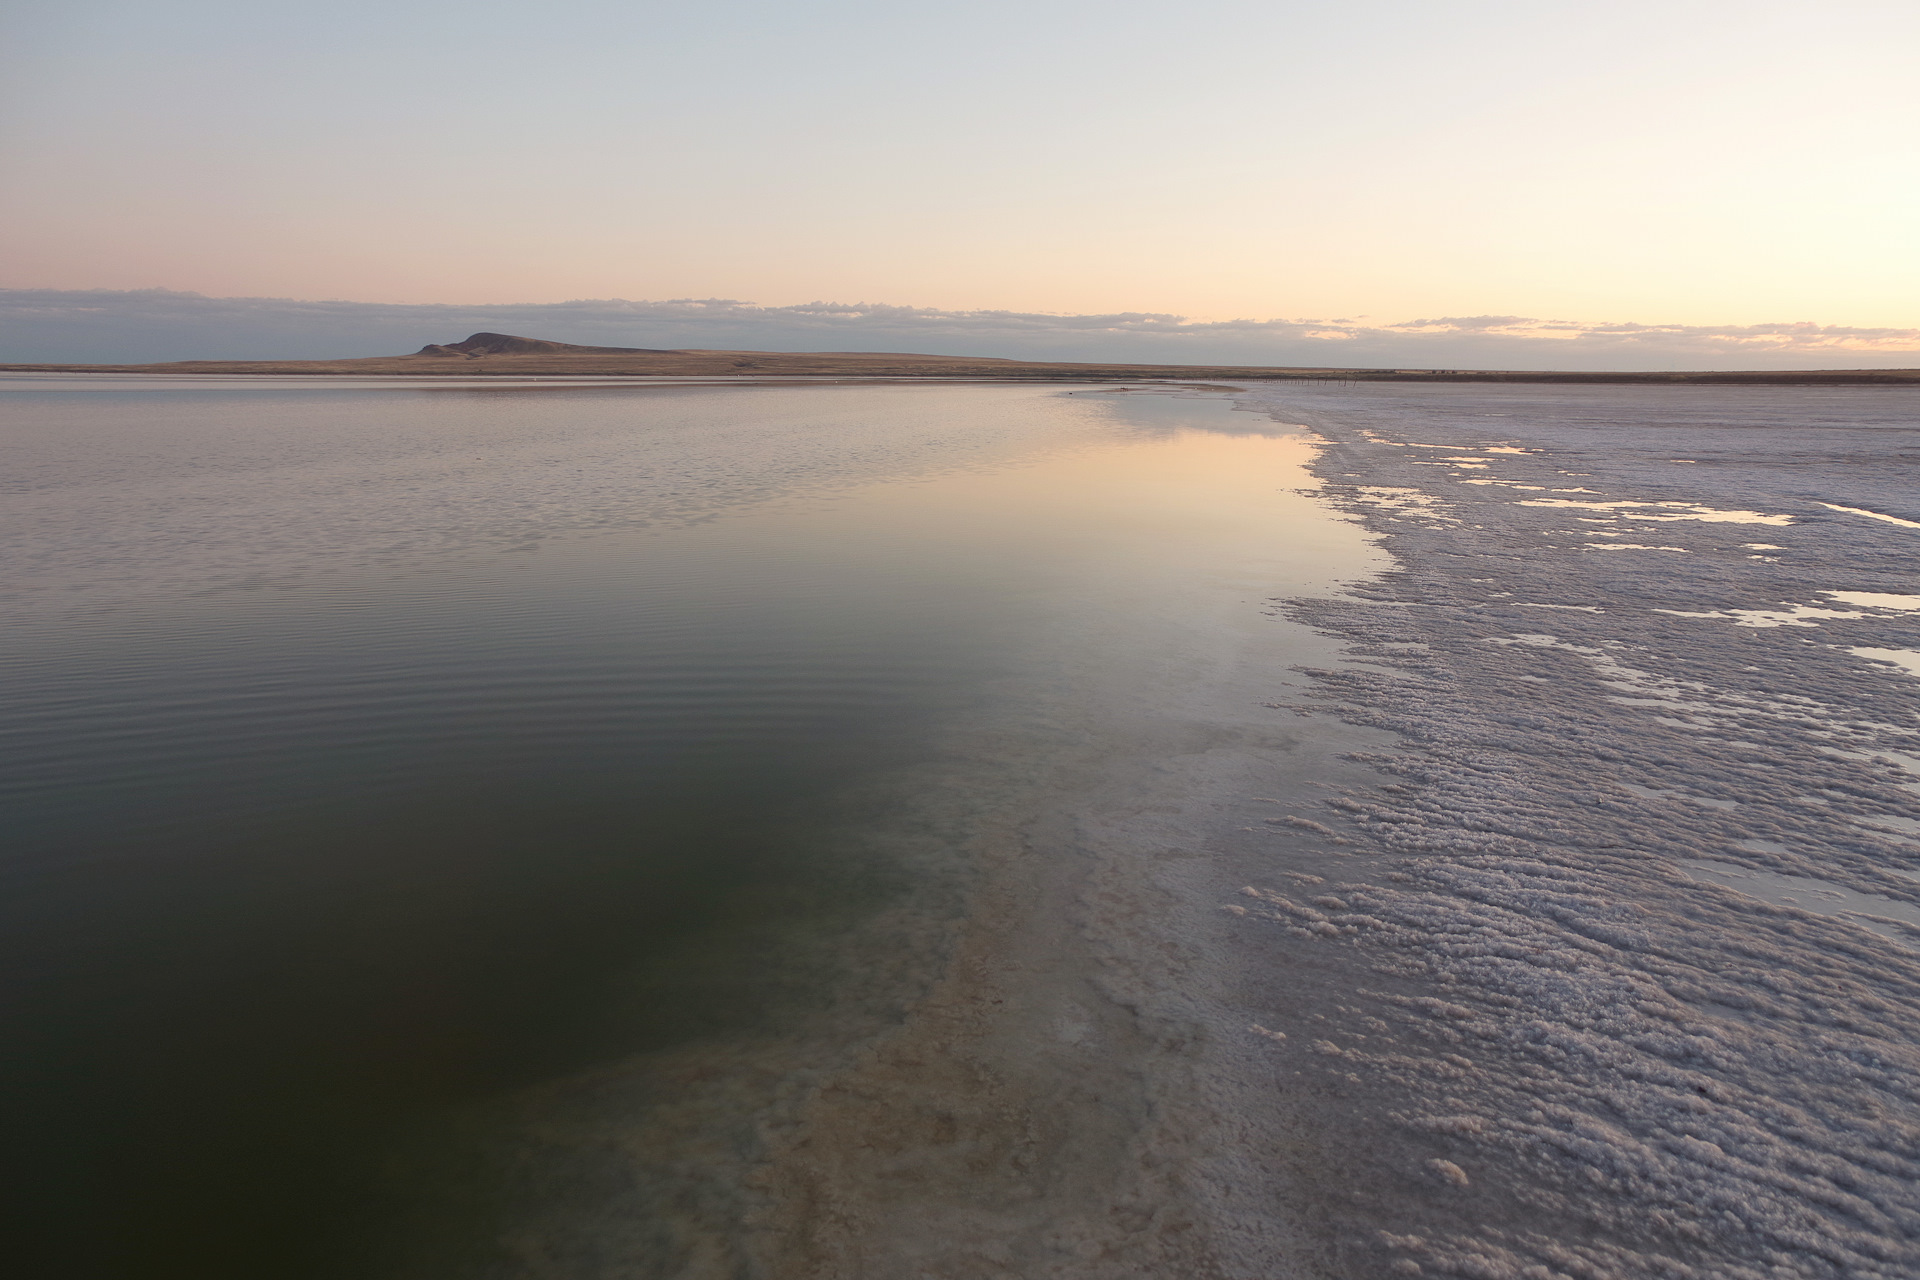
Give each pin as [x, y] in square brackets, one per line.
[573, 831]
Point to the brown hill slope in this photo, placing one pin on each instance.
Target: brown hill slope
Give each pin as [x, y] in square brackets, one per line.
[507, 355]
[507, 344]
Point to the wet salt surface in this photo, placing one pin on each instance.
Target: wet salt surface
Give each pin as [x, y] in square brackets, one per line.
[1869, 911]
[1907, 660]
[1612, 970]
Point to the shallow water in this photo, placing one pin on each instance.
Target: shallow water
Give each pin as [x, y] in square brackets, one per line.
[386, 758]
[1819, 896]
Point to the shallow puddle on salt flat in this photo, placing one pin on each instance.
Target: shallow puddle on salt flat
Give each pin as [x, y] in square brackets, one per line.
[1665, 511]
[1872, 515]
[1818, 896]
[1879, 600]
[1908, 660]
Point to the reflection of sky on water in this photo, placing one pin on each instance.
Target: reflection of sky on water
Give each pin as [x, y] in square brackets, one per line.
[390, 748]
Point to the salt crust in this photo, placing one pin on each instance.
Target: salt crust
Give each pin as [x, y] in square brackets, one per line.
[1548, 1051]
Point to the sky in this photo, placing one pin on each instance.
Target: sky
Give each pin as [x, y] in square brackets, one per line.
[1696, 175]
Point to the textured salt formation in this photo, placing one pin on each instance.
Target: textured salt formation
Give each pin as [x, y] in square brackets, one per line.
[1539, 1047]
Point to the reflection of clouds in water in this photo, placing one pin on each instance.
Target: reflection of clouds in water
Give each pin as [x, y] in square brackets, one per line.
[203, 497]
[1159, 410]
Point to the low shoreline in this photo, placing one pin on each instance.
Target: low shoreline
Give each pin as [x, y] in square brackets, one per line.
[1080, 1095]
[775, 365]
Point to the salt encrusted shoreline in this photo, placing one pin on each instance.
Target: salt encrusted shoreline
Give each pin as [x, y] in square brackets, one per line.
[1561, 1054]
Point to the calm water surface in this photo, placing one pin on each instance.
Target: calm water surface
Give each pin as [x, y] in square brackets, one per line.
[379, 754]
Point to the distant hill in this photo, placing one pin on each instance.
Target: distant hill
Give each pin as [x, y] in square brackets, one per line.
[507, 344]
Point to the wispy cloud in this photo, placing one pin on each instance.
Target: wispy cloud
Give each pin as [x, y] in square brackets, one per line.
[1802, 337]
[100, 325]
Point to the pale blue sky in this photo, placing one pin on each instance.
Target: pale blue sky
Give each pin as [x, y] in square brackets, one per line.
[1692, 161]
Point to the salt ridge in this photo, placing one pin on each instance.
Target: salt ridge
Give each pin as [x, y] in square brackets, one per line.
[1555, 1053]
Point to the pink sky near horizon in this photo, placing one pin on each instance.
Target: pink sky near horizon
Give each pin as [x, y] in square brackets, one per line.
[1694, 162]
